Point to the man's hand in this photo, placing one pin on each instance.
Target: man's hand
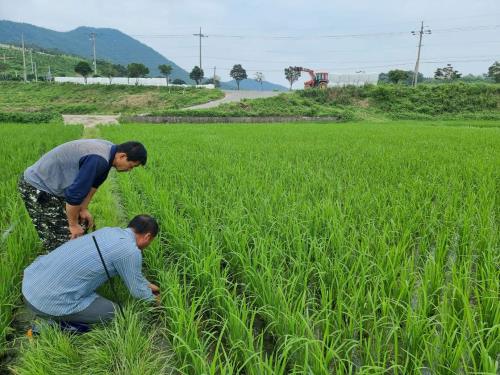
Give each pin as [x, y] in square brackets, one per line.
[155, 289]
[86, 216]
[75, 231]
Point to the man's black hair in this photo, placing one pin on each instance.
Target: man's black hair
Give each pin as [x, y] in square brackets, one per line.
[143, 224]
[135, 151]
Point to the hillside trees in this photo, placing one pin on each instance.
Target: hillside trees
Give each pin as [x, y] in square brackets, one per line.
[83, 68]
[165, 70]
[238, 74]
[196, 74]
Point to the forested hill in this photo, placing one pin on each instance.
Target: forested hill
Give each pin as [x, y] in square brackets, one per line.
[111, 45]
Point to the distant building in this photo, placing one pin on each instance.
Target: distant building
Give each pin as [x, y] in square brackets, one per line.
[355, 79]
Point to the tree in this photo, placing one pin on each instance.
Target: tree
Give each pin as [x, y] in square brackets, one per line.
[292, 75]
[384, 78]
[109, 71]
[166, 70]
[447, 73]
[259, 77]
[399, 76]
[121, 71]
[137, 70]
[83, 68]
[238, 74]
[215, 80]
[178, 81]
[494, 71]
[196, 74]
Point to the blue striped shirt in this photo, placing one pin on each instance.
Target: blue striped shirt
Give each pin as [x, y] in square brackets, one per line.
[64, 281]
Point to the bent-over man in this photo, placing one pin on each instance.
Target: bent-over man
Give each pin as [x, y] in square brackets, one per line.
[58, 188]
[62, 284]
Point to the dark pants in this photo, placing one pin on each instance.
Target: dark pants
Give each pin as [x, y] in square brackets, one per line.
[101, 310]
[48, 214]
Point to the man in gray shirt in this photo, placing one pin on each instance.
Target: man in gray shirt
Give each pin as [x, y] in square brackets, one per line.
[58, 188]
[61, 285]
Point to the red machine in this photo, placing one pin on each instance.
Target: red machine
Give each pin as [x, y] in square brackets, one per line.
[319, 79]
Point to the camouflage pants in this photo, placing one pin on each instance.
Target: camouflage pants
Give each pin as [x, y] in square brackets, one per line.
[48, 214]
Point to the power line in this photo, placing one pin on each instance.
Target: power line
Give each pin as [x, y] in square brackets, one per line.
[331, 36]
[409, 63]
[330, 61]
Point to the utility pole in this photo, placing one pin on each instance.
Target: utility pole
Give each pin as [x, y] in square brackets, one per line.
[201, 36]
[215, 68]
[31, 57]
[36, 73]
[92, 38]
[24, 59]
[420, 34]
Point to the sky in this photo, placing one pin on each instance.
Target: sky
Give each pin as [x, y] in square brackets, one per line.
[334, 36]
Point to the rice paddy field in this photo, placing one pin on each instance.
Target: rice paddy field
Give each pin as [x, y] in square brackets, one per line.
[367, 248]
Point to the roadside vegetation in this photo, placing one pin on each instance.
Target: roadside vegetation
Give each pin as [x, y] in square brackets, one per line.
[427, 101]
[36, 101]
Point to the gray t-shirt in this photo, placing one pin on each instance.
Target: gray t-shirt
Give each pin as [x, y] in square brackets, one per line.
[59, 168]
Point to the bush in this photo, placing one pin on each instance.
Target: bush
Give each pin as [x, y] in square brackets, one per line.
[436, 99]
[29, 117]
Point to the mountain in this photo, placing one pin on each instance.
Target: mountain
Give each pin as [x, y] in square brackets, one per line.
[250, 84]
[111, 44]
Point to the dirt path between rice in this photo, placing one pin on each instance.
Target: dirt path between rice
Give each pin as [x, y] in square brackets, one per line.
[90, 121]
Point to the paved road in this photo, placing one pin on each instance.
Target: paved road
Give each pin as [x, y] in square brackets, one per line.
[236, 96]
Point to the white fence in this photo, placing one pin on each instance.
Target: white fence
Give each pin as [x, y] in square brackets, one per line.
[124, 81]
[353, 79]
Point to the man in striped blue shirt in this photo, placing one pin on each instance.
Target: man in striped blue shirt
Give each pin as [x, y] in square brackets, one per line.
[61, 285]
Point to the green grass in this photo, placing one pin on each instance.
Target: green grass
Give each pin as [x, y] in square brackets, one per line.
[43, 97]
[363, 247]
